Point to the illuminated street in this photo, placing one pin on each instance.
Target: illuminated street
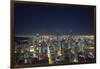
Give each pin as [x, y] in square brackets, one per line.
[54, 49]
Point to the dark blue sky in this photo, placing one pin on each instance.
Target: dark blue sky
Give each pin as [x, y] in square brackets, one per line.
[31, 19]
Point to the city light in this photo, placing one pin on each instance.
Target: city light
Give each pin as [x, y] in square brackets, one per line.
[54, 49]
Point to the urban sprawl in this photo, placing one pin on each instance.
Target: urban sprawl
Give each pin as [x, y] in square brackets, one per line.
[54, 49]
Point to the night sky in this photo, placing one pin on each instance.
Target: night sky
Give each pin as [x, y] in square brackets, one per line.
[32, 19]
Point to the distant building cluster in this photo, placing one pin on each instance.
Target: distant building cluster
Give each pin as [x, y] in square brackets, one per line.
[54, 49]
